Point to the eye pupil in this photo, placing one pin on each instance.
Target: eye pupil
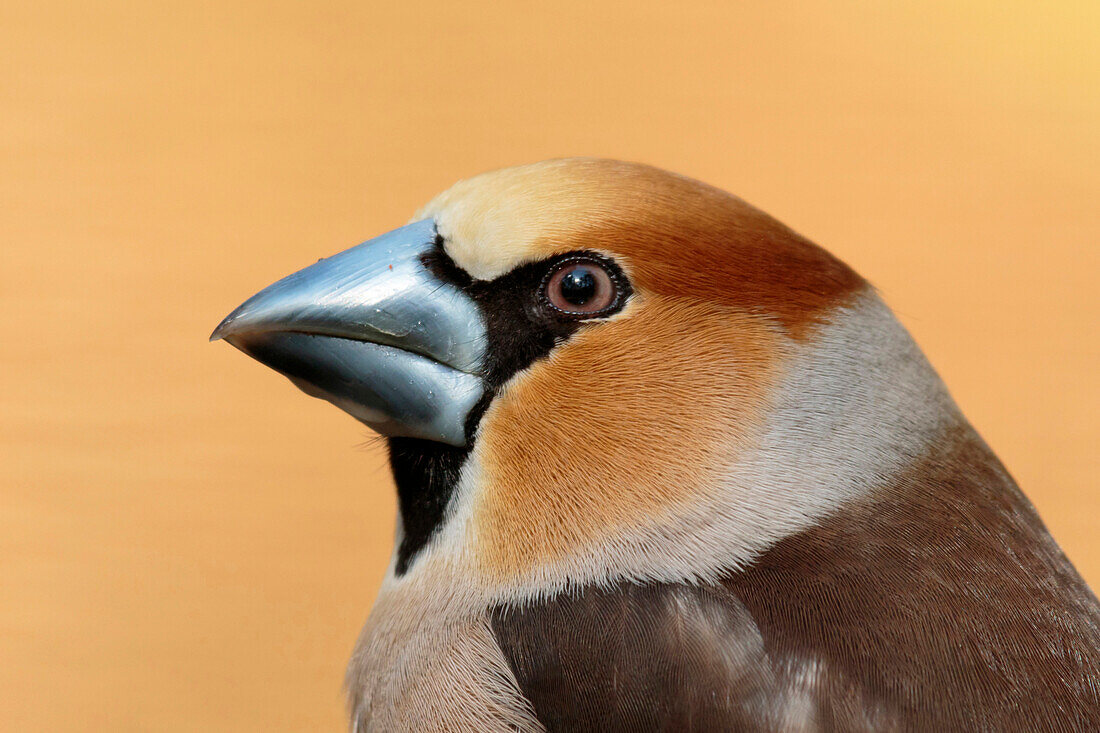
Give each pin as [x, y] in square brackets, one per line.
[578, 286]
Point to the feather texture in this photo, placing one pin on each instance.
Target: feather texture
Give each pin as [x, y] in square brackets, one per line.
[942, 604]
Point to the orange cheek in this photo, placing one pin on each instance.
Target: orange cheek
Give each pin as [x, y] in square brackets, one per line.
[625, 422]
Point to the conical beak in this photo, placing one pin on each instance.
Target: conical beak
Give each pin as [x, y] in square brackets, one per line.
[374, 332]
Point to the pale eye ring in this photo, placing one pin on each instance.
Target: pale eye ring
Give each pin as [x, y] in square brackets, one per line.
[581, 287]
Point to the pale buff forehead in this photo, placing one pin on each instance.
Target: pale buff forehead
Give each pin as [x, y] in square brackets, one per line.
[498, 220]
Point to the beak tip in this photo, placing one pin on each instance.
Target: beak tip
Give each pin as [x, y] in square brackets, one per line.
[222, 330]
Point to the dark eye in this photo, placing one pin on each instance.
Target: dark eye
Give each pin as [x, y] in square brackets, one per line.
[581, 287]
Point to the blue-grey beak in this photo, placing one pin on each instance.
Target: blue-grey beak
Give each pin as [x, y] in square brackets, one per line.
[374, 332]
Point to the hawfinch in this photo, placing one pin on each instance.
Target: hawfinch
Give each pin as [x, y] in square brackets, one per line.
[664, 464]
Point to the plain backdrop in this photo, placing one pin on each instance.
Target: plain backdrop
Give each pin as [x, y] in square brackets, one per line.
[188, 543]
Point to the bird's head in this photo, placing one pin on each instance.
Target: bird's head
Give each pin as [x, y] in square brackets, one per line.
[590, 370]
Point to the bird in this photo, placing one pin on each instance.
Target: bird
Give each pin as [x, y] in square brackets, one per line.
[662, 463]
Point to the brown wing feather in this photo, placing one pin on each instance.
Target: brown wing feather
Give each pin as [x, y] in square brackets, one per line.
[666, 657]
[945, 598]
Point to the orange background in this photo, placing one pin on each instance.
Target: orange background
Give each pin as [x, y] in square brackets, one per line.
[188, 543]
